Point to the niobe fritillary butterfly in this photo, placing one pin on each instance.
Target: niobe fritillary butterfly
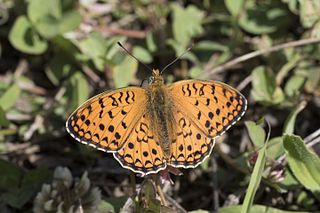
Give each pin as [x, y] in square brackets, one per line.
[149, 128]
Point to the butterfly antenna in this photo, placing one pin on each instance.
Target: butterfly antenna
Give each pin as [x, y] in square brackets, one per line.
[180, 56]
[149, 68]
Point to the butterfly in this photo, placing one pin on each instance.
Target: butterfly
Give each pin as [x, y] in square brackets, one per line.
[149, 128]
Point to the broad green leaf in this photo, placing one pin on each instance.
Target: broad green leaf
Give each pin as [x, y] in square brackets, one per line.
[235, 7]
[309, 12]
[254, 180]
[264, 86]
[258, 209]
[24, 38]
[18, 197]
[187, 23]
[94, 47]
[152, 47]
[292, 5]
[303, 162]
[256, 133]
[79, 88]
[179, 49]
[105, 207]
[275, 147]
[291, 120]
[262, 20]
[117, 202]
[9, 98]
[113, 47]
[211, 45]
[51, 19]
[10, 175]
[294, 84]
[195, 71]
[124, 72]
[313, 83]
[142, 54]
[31, 183]
[58, 68]
[290, 182]
[285, 69]
[38, 10]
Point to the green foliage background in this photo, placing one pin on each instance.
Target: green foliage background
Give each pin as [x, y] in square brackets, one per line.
[56, 54]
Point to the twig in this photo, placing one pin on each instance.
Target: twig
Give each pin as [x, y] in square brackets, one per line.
[215, 184]
[159, 190]
[312, 136]
[175, 204]
[92, 75]
[106, 31]
[256, 53]
[244, 83]
[310, 141]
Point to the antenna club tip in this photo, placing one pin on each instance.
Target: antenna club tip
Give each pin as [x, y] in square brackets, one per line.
[119, 43]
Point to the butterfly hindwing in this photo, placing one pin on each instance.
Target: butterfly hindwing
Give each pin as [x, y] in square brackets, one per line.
[106, 120]
[142, 153]
[210, 105]
[190, 146]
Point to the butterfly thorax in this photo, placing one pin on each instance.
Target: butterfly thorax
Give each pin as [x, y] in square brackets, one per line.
[160, 111]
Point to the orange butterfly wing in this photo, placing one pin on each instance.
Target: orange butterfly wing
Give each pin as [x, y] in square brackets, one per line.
[106, 120]
[205, 110]
[190, 146]
[142, 153]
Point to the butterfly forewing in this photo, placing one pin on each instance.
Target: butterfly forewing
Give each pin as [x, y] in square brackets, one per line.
[106, 120]
[142, 153]
[213, 107]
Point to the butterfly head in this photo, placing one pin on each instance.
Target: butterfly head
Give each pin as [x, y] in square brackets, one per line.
[156, 78]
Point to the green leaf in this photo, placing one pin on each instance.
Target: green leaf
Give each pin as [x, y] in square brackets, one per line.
[10, 97]
[117, 202]
[24, 38]
[142, 54]
[255, 180]
[293, 60]
[291, 120]
[10, 177]
[29, 186]
[3, 120]
[105, 207]
[79, 89]
[152, 47]
[125, 71]
[187, 23]
[264, 86]
[275, 147]
[234, 7]
[59, 67]
[256, 133]
[262, 20]
[309, 12]
[304, 163]
[51, 19]
[94, 47]
[313, 83]
[294, 84]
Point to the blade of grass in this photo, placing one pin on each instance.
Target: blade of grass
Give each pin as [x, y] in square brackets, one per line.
[255, 177]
